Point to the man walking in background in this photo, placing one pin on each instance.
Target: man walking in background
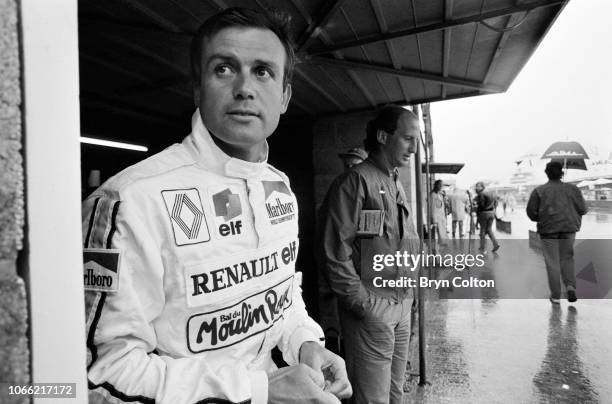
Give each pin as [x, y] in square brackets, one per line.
[558, 208]
[438, 212]
[367, 211]
[485, 210]
[459, 207]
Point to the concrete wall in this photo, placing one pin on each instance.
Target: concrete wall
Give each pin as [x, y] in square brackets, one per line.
[14, 354]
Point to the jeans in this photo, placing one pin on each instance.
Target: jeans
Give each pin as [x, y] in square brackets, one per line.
[376, 350]
[558, 249]
[485, 221]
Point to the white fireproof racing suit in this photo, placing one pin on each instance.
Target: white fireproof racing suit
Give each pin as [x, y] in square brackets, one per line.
[204, 246]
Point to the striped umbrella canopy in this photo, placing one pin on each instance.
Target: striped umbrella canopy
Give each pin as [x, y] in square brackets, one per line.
[565, 150]
[570, 154]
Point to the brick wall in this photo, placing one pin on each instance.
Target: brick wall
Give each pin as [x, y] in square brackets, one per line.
[14, 353]
[334, 135]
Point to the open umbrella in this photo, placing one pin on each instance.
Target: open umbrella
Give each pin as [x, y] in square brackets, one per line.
[570, 154]
[576, 164]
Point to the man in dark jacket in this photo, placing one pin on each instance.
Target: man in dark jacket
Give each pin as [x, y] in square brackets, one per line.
[367, 212]
[485, 211]
[558, 208]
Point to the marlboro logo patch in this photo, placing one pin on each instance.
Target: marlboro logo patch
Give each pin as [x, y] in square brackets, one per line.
[101, 269]
[280, 204]
[233, 324]
[278, 186]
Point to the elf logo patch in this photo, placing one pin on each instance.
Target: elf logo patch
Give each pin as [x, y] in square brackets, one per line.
[227, 204]
[227, 207]
[101, 269]
[280, 204]
[184, 207]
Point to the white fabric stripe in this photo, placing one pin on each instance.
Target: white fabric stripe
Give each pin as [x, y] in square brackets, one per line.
[102, 222]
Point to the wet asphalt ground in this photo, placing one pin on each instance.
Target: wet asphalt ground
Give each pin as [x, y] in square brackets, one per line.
[498, 349]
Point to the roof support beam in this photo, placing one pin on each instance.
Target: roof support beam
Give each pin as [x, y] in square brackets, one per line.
[301, 105]
[414, 74]
[97, 24]
[327, 41]
[361, 111]
[448, 15]
[134, 90]
[144, 51]
[167, 82]
[157, 18]
[220, 4]
[500, 45]
[320, 89]
[437, 26]
[311, 32]
[117, 107]
[382, 24]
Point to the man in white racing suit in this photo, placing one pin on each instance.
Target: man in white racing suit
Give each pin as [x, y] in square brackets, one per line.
[192, 251]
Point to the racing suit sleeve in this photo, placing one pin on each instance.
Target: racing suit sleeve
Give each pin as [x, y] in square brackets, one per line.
[124, 364]
[340, 224]
[299, 327]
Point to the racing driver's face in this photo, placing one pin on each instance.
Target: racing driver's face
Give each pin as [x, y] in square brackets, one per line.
[241, 94]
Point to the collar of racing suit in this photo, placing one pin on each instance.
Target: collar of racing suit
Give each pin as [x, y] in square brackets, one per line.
[209, 155]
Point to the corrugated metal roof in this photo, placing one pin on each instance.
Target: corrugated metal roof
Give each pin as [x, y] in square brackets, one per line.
[356, 54]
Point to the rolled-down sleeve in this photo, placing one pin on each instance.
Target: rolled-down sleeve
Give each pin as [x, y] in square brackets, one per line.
[340, 222]
[533, 206]
[581, 206]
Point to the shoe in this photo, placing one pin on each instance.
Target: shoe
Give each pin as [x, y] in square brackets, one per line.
[495, 248]
[571, 296]
[554, 301]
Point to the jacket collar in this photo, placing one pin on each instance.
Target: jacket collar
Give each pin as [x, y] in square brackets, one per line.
[210, 156]
[377, 159]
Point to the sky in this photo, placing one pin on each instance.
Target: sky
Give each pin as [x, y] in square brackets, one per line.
[562, 93]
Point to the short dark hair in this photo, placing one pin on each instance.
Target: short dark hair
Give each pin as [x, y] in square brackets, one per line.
[554, 170]
[386, 120]
[438, 183]
[276, 21]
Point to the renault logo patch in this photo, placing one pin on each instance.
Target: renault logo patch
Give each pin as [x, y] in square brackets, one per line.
[186, 215]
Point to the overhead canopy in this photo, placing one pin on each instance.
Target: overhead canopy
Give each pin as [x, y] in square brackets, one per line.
[356, 55]
[443, 168]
